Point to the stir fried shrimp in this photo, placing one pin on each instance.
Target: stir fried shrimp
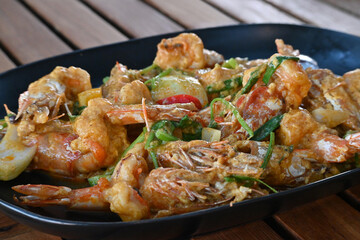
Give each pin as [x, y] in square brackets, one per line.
[291, 82]
[118, 195]
[91, 144]
[353, 85]
[209, 131]
[171, 191]
[186, 51]
[85, 198]
[285, 49]
[99, 141]
[300, 129]
[288, 166]
[330, 102]
[124, 86]
[44, 97]
[203, 157]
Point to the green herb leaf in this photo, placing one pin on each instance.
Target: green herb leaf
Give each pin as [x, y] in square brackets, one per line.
[269, 150]
[262, 132]
[247, 180]
[234, 111]
[272, 66]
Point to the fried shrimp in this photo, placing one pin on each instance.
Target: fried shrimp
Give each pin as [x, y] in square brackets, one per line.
[44, 97]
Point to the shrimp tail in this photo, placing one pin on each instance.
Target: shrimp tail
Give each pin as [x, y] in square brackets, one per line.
[90, 198]
[40, 195]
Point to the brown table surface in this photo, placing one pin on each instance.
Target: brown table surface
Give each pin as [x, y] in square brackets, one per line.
[35, 29]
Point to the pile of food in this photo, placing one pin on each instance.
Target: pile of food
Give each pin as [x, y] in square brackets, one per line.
[191, 131]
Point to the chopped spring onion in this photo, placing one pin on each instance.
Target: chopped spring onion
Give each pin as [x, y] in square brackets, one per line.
[248, 180]
[269, 150]
[262, 132]
[164, 136]
[150, 138]
[153, 80]
[153, 157]
[234, 111]
[148, 69]
[254, 77]
[231, 63]
[271, 68]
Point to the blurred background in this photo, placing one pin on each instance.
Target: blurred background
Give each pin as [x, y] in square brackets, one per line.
[35, 29]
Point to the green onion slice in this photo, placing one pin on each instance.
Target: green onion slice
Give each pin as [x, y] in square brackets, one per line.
[148, 69]
[153, 80]
[231, 63]
[242, 179]
[234, 111]
[254, 77]
[269, 150]
[164, 136]
[153, 157]
[273, 65]
[262, 132]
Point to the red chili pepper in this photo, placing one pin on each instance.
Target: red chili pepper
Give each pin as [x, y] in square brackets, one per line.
[181, 98]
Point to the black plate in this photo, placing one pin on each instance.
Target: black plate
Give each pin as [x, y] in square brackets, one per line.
[337, 51]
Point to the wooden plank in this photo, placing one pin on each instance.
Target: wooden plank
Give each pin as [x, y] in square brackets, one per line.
[251, 231]
[24, 36]
[253, 11]
[33, 235]
[76, 22]
[353, 6]
[327, 218]
[135, 17]
[354, 194]
[5, 62]
[321, 14]
[193, 13]
[9, 229]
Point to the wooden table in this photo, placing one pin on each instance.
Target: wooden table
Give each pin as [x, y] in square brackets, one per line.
[35, 29]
